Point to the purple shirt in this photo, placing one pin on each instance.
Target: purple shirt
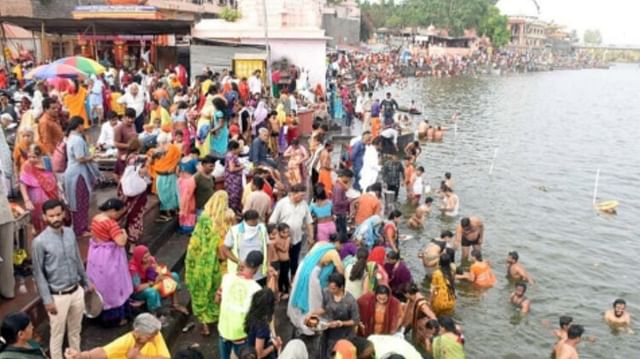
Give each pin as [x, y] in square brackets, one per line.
[375, 109]
[340, 200]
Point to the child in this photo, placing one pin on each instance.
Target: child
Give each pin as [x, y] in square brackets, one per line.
[416, 221]
[283, 242]
[272, 232]
[178, 140]
[417, 187]
[296, 155]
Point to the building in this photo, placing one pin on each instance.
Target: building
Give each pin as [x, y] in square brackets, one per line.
[342, 23]
[110, 30]
[528, 31]
[294, 31]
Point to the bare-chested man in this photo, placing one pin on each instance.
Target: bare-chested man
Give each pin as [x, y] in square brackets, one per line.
[567, 349]
[422, 129]
[618, 317]
[470, 232]
[438, 134]
[515, 270]
[430, 255]
[422, 212]
[564, 324]
[430, 133]
[447, 180]
[518, 298]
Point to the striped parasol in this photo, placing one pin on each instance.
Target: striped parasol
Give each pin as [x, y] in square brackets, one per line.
[48, 71]
[83, 63]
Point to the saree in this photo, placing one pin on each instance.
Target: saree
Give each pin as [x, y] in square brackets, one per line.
[233, 182]
[369, 231]
[300, 298]
[446, 347]
[443, 300]
[203, 138]
[187, 199]
[166, 183]
[203, 273]
[41, 187]
[220, 139]
[20, 153]
[367, 309]
[133, 216]
[108, 269]
[75, 103]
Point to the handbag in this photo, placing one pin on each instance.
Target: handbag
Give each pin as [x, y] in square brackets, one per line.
[166, 286]
[132, 183]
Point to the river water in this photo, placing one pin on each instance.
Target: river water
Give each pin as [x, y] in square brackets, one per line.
[553, 131]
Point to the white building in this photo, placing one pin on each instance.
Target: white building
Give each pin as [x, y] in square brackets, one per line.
[294, 28]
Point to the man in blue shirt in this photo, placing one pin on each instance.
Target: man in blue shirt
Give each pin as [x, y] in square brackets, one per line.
[259, 154]
[357, 157]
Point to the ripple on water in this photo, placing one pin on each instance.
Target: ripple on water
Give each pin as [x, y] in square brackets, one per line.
[553, 131]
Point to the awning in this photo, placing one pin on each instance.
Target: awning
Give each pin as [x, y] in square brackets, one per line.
[102, 26]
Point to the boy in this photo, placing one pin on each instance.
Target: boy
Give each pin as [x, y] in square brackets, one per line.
[417, 220]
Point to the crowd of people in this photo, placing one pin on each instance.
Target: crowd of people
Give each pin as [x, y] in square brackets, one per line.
[289, 221]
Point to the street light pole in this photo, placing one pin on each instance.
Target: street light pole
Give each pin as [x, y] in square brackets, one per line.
[266, 43]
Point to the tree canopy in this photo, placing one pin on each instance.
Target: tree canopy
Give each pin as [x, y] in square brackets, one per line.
[454, 15]
[592, 37]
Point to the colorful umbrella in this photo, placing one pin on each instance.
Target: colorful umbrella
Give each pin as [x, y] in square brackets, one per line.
[82, 63]
[60, 83]
[48, 71]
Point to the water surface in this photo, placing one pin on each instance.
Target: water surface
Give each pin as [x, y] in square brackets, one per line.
[553, 131]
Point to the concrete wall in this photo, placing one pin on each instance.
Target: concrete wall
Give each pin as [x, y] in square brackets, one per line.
[43, 8]
[343, 31]
[216, 57]
[308, 55]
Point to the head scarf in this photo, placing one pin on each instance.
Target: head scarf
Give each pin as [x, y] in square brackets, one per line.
[21, 149]
[295, 349]
[282, 115]
[344, 349]
[135, 264]
[377, 255]
[216, 209]
[260, 114]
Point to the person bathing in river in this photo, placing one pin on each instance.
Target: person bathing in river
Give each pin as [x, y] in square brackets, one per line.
[423, 127]
[480, 273]
[450, 202]
[447, 180]
[412, 150]
[430, 255]
[515, 270]
[567, 349]
[422, 212]
[618, 317]
[564, 323]
[417, 186]
[518, 298]
[430, 133]
[438, 134]
[470, 232]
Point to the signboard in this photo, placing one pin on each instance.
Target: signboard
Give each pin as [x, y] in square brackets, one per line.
[115, 8]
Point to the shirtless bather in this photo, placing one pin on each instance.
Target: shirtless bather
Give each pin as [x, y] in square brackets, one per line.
[618, 317]
[424, 210]
[422, 129]
[518, 298]
[431, 254]
[430, 133]
[567, 349]
[470, 232]
[438, 134]
[515, 270]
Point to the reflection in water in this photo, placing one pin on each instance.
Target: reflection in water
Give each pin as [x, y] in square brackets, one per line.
[553, 131]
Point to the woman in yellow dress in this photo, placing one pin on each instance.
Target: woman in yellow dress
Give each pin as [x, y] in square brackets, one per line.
[443, 291]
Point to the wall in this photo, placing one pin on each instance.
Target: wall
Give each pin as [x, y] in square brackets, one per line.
[216, 57]
[43, 8]
[306, 54]
[338, 28]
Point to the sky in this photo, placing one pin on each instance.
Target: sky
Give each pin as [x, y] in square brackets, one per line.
[617, 20]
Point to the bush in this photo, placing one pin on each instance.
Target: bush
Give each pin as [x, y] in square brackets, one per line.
[230, 15]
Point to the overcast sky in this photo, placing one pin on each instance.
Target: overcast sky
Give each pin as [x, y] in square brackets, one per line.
[616, 19]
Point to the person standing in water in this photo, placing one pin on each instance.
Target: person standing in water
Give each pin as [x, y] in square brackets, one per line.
[450, 202]
[515, 270]
[470, 232]
[480, 273]
[568, 349]
[518, 298]
[618, 317]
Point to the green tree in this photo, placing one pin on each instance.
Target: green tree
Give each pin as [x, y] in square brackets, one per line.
[592, 37]
[494, 26]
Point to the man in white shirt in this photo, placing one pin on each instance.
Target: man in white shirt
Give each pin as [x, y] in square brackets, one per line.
[105, 140]
[294, 211]
[135, 99]
[255, 83]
